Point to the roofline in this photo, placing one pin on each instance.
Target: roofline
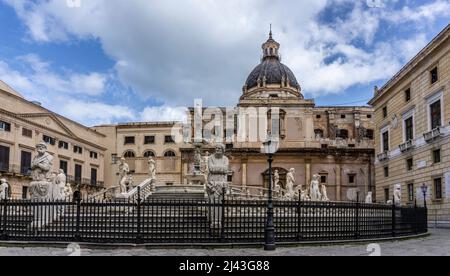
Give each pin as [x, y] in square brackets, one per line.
[410, 65]
[56, 114]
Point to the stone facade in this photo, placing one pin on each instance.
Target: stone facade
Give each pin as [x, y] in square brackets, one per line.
[24, 124]
[412, 136]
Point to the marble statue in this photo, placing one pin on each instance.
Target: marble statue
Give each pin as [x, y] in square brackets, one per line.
[152, 168]
[304, 195]
[397, 195]
[197, 160]
[60, 182]
[68, 190]
[315, 189]
[204, 164]
[276, 185]
[290, 182]
[218, 165]
[124, 171]
[369, 198]
[324, 193]
[4, 189]
[41, 187]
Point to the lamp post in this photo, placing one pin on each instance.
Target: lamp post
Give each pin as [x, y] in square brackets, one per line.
[424, 192]
[269, 148]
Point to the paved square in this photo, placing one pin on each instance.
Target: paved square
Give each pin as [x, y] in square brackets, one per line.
[437, 244]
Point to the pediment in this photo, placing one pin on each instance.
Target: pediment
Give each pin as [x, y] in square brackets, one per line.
[49, 121]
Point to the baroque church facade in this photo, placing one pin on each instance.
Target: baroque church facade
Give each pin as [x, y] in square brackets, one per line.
[336, 143]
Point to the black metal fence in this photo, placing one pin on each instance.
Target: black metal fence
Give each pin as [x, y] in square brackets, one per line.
[201, 221]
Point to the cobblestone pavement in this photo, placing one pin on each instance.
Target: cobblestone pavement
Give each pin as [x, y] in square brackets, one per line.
[436, 244]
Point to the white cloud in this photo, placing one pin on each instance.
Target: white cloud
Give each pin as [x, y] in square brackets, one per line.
[164, 113]
[173, 51]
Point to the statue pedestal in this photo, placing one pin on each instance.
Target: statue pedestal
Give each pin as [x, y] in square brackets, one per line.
[45, 191]
[41, 190]
[196, 179]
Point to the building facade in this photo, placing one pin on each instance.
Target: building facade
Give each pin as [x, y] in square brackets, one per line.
[336, 143]
[412, 136]
[76, 149]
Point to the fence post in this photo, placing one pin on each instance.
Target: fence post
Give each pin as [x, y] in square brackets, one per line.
[4, 235]
[222, 219]
[139, 236]
[357, 217]
[394, 219]
[77, 197]
[416, 218]
[299, 220]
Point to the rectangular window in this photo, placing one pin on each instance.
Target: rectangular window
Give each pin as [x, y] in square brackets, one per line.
[434, 75]
[318, 116]
[435, 115]
[411, 192]
[93, 176]
[408, 94]
[129, 140]
[63, 165]
[63, 145]
[409, 129]
[386, 171]
[351, 179]
[27, 132]
[78, 173]
[149, 140]
[93, 155]
[168, 139]
[4, 159]
[386, 195]
[369, 134]
[323, 179]
[114, 158]
[438, 188]
[437, 156]
[24, 192]
[25, 163]
[343, 116]
[49, 140]
[77, 149]
[409, 164]
[4, 126]
[369, 116]
[385, 112]
[386, 141]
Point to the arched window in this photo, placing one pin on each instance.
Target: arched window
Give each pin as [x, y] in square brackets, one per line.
[318, 133]
[129, 154]
[170, 154]
[149, 154]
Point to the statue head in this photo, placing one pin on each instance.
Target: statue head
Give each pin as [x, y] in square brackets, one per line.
[3, 181]
[122, 160]
[41, 148]
[61, 171]
[292, 170]
[220, 150]
[316, 177]
[207, 153]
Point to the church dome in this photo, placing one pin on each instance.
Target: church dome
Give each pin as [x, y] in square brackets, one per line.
[271, 71]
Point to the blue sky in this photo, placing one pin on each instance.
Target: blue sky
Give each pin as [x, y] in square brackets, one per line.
[107, 61]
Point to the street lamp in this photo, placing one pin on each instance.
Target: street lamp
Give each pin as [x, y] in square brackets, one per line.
[270, 147]
[424, 192]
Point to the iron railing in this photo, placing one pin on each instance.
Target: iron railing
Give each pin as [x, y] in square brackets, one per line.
[181, 221]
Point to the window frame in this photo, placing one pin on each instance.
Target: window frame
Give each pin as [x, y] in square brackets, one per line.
[125, 138]
[5, 126]
[438, 193]
[431, 100]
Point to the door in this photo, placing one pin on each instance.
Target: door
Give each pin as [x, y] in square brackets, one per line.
[4, 159]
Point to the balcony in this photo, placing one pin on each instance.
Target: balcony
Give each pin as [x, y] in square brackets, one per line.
[433, 135]
[15, 169]
[84, 181]
[383, 156]
[406, 146]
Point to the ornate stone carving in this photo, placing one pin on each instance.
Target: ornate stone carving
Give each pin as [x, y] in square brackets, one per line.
[152, 168]
[42, 187]
[4, 189]
[124, 176]
[324, 193]
[397, 195]
[315, 194]
[290, 182]
[369, 198]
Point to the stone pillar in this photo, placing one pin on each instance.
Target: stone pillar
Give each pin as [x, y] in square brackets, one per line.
[338, 182]
[307, 173]
[244, 174]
